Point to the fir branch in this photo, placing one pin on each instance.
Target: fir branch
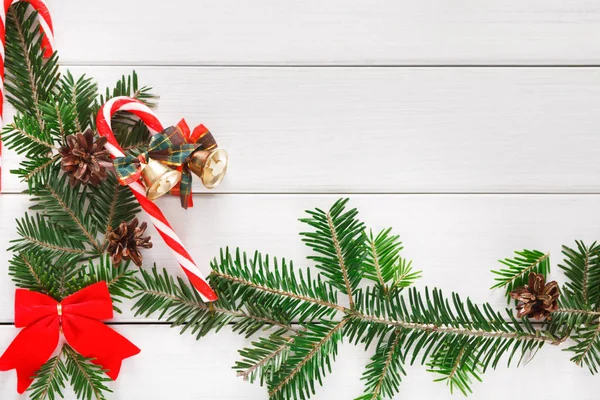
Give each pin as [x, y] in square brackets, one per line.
[181, 305]
[88, 380]
[65, 206]
[49, 380]
[110, 204]
[518, 269]
[311, 351]
[582, 267]
[453, 337]
[25, 138]
[37, 233]
[264, 358]
[28, 271]
[31, 79]
[278, 286]
[383, 374]
[36, 171]
[457, 366]
[587, 347]
[338, 241]
[383, 263]
[81, 94]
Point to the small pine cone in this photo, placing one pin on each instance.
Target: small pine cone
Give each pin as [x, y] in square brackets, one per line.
[84, 160]
[537, 299]
[125, 242]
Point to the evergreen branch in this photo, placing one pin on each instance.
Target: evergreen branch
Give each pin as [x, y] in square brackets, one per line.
[405, 275]
[278, 292]
[452, 330]
[30, 78]
[456, 365]
[383, 263]
[111, 204]
[278, 287]
[45, 145]
[34, 171]
[339, 243]
[382, 256]
[181, 305]
[28, 272]
[40, 234]
[88, 380]
[35, 96]
[340, 257]
[384, 373]
[311, 352]
[575, 311]
[49, 380]
[587, 347]
[264, 358]
[65, 207]
[518, 269]
[81, 94]
[582, 267]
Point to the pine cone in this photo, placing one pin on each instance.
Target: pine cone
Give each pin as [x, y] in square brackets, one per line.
[84, 160]
[125, 242]
[536, 299]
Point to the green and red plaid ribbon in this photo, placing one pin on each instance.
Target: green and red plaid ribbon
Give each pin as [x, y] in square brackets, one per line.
[172, 147]
[202, 140]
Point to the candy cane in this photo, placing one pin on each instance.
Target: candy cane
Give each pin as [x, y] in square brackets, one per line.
[103, 124]
[47, 45]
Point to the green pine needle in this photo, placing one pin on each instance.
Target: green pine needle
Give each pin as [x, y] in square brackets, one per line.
[457, 366]
[383, 263]
[383, 374]
[312, 352]
[50, 380]
[582, 268]
[516, 273]
[265, 357]
[88, 380]
[338, 241]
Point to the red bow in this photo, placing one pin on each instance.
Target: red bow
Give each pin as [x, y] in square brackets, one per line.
[79, 315]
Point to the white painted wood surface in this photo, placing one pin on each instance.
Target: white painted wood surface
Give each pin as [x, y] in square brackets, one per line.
[334, 32]
[387, 130]
[490, 148]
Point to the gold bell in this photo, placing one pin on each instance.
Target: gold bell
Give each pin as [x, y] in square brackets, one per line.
[159, 179]
[209, 165]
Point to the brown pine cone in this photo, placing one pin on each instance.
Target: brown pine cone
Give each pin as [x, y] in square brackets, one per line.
[125, 242]
[537, 299]
[84, 160]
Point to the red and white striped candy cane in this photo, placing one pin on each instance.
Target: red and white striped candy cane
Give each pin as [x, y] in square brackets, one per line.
[47, 44]
[103, 124]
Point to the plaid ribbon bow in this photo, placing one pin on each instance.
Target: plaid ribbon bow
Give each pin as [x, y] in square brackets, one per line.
[172, 147]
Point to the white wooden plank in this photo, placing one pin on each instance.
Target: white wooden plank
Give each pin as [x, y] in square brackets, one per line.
[454, 239]
[355, 32]
[393, 130]
[181, 368]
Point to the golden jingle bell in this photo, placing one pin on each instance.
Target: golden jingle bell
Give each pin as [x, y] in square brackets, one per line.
[159, 179]
[209, 165]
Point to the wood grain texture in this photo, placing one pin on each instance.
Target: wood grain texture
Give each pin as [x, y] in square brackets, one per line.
[177, 367]
[449, 122]
[454, 239]
[386, 130]
[348, 32]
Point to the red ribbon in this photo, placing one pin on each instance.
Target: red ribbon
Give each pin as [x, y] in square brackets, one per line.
[79, 315]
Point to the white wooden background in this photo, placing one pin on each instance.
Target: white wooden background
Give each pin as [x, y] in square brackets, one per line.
[472, 128]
